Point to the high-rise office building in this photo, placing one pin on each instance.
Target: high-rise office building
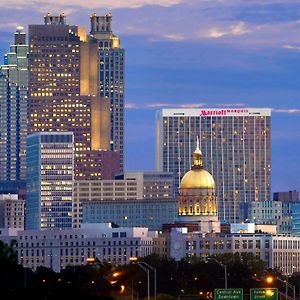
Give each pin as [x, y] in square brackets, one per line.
[13, 110]
[236, 151]
[290, 196]
[145, 189]
[63, 88]
[111, 77]
[50, 164]
[12, 211]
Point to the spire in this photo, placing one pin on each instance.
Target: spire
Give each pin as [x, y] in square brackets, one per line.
[197, 148]
[197, 161]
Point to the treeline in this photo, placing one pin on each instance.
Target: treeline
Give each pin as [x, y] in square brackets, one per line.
[190, 276]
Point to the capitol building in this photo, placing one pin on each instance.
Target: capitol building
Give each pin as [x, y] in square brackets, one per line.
[197, 232]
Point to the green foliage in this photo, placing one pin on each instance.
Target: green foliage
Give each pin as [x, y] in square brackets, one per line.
[165, 297]
[8, 257]
[194, 275]
[191, 276]
[86, 282]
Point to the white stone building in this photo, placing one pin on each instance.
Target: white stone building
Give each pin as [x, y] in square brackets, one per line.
[57, 249]
[278, 251]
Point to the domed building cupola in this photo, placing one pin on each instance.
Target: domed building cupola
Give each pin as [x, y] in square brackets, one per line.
[197, 177]
[197, 200]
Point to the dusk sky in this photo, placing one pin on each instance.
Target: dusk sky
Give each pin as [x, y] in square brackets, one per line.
[195, 53]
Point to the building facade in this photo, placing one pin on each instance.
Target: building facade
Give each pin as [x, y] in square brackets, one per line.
[12, 211]
[285, 215]
[280, 252]
[236, 147]
[197, 202]
[111, 78]
[290, 196]
[155, 186]
[57, 249]
[50, 165]
[296, 218]
[264, 212]
[63, 93]
[13, 110]
[131, 213]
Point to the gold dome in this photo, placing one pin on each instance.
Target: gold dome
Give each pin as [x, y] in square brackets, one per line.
[197, 178]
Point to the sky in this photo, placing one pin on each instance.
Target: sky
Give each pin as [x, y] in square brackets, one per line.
[195, 53]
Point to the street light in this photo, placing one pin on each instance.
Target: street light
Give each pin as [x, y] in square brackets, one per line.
[145, 266]
[270, 279]
[148, 279]
[133, 291]
[223, 265]
[154, 271]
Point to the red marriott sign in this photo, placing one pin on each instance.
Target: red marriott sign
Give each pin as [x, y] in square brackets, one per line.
[222, 112]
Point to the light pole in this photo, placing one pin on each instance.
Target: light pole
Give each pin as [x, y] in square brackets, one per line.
[224, 266]
[287, 285]
[148, 279]
[145, 266]
[133, 291]
[269, 279]
[154, 271]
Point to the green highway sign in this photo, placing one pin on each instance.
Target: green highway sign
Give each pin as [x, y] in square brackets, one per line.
[228, 294]
[264, 294]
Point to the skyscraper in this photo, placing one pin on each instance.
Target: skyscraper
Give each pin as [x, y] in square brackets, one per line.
[236, 151]
[63, 88]
[13, 110]
[50, 165]
[111, 77]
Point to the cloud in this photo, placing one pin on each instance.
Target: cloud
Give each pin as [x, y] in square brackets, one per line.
[287, 110]
[237, 29]
[129, 105]
[190, 105]
[173, 37]
[161, 105]
[9, 25]
[157, 105]
[291, 47]
[231, 105]
[91, 4]
[250, 24]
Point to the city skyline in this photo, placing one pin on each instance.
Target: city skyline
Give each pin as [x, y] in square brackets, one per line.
[260, 72]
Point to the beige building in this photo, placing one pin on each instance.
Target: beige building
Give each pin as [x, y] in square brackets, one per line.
[130, 186]
[280, 252]
[57, 249]
[12, 211]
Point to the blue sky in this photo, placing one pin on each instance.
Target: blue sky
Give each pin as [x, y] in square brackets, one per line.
[209, 53]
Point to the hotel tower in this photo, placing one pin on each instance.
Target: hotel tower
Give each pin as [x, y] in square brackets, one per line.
[236, 150]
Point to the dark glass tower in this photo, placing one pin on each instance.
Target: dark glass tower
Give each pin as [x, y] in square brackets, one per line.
[13, 111]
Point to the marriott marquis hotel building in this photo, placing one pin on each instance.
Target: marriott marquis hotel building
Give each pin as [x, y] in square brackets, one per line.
[236, 149]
